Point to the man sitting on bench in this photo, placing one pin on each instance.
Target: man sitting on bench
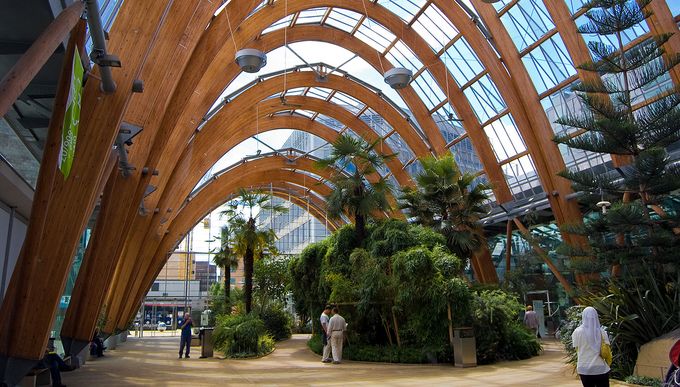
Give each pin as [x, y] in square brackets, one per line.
[55, 364]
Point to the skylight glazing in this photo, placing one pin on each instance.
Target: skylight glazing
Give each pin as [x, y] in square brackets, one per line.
[428, 90]
[526, 22]
[343, 19]
[462, 62]
[549, 64]
[522, 178]
[405, 9]
[485, 99]
[375, 35]
[466, 156]
[505, 139]
[435, 28]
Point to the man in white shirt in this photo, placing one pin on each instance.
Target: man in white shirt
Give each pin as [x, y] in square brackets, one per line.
[336, 328]
[325, 337]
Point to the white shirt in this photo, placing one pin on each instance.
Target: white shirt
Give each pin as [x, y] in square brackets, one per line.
[337, 323]
[589, 360]
[324, 321]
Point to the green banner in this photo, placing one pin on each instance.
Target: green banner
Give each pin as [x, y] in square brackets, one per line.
[69, 131]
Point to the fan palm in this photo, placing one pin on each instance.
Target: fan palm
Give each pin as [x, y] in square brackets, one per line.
[352, 160]
[447, 201]
[249, 242]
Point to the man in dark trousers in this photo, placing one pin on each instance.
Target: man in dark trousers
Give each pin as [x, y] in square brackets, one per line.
[185, 339]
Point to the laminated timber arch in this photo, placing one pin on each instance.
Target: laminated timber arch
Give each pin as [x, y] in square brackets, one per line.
[220, 135]
[254, 172]
[195, 161]
[62, 206]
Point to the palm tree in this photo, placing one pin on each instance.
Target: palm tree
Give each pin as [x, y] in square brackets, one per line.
[446, 201]
[352, 160]
[249, 242]
[226, 259]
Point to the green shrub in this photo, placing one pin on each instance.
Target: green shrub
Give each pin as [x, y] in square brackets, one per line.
[644, 381]
[277, 322]
[265, 344]
[388, 354]
[239, 335]
[498, 333]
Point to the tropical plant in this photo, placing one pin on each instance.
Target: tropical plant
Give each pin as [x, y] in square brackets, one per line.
[242, 336]
[353, 161]
[227, 260]
[447, 201]
[614, 122]
[270, 282]
[250, 242]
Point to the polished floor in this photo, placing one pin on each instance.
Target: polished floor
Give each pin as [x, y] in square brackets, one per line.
[153, 361]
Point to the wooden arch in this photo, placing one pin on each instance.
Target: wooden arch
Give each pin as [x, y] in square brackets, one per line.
[118, 295]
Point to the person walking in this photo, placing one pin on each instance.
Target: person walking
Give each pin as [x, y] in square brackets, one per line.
[336, 328]
[531, 320]
[325, 339]
[587, 339]
[185, 339]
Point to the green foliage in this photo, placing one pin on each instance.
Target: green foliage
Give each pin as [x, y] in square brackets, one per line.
[277, 322]
[447, 201]
[495, 314]
[568, 327]
[389, 354]
[644, 381]
[351, 162]
[305, 272]
[271, 279]
[240, 336]
[226, 259]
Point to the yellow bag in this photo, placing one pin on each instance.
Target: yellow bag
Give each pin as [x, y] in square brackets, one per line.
[606, 352]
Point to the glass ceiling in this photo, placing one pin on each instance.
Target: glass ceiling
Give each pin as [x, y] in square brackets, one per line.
[529, 23]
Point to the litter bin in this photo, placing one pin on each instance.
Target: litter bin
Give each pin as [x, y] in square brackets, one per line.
[205, 334]
[464, 347]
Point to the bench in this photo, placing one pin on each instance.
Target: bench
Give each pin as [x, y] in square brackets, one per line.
[37, 377]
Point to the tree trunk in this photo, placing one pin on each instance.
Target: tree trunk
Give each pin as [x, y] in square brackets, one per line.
[248, 274]
[360, 227]
[396, 329]
[450, 325]
[227, 289]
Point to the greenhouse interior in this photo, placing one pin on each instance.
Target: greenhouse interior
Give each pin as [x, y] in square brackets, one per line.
[367, 192]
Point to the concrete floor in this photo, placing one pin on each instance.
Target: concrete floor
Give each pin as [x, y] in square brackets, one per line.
[153, 361]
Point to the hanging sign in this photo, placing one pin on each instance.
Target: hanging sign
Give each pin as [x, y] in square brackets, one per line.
[69, 131]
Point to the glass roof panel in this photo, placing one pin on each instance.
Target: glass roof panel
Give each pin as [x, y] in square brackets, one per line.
[485, 99]
[428, 90]
[403, 56]
[306, 113]
[343, 19]
[549, 64]
[311, 16]
[279, 24]
[398, 145]
[526, 22]
[462, 62]
[579, 160]
[330, 122]
[522, 178]
[405, 9]
[501, 3]
[350, 103]
[466, 156]
[375, 35]
[319, 92]
[563, 103]
[674, 6]
[575, 5]
[505, 138]
[415, 168]
[295, 91]
[447, 121]
[435, 28]
[376, 122]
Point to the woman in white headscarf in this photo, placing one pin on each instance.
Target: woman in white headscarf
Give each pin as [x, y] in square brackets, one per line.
[587, 339]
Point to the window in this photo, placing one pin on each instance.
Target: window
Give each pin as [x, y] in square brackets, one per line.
[155, 287]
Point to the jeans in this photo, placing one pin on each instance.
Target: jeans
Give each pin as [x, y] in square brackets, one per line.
[595, 380]
[54, 362]
[185, 340]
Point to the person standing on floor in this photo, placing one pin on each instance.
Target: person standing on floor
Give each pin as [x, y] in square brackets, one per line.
[185, 339]
[531, 320]
[325, 339]
[336, 328]
[587, 339]
[673, 374]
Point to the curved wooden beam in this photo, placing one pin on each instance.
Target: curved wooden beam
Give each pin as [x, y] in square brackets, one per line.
[249, 173]
[120, 201]
[221, 134]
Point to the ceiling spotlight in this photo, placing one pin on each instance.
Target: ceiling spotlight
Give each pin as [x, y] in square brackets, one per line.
[603, 204]
[251, 60]
[398, 77]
